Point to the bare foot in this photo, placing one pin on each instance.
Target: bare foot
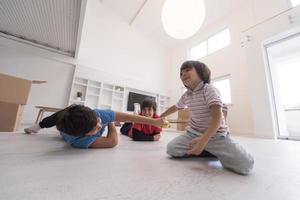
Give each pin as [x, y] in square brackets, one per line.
[156, 137]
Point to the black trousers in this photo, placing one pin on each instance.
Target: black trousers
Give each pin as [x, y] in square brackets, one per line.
[51, 120]
[136, 134]
[125, 128]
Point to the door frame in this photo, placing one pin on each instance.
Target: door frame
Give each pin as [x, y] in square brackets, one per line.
[294, 32]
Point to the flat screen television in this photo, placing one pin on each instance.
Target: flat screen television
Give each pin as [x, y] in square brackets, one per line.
[136, 98]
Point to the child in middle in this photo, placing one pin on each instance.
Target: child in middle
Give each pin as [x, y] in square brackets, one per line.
[143, 132]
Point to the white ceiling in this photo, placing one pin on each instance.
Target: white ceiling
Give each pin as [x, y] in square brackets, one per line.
[53, 24]
[144, 15]
[49, 23]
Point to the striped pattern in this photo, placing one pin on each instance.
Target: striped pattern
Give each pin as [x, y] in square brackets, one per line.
[199, 101]
[53, 24]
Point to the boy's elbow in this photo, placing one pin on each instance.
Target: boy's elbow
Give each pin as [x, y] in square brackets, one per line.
[114, 142]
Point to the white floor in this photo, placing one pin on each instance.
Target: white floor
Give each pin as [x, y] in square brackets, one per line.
[42, 167]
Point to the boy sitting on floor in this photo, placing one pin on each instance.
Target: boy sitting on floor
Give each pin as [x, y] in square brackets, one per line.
[143, 132]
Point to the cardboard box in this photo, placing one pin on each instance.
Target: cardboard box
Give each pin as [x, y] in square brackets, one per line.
[14, 93]
[10, 117]
[183, 115]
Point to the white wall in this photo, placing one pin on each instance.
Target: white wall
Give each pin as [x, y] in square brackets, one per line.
[226, 61]
[250, 113]
[260, 93]
[120, 54]
[59, 75]
[112, 46]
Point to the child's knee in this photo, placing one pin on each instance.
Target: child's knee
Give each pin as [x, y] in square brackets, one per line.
[173, 150]
[245, 165]
[249, 163]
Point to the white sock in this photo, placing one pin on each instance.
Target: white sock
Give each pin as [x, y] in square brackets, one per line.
[32, 129]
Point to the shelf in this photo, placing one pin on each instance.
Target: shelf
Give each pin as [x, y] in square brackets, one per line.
[106, 97]
[82, 84]
[93, 90]
[80, 80]
[117, 107]
[92, 101]
[117, 99]
[93, 86]
[91, 94]
[98, 94]
[77, 102]
[107, 90]
[118, 96]
[163, 103]
[119, 89]
[104, 106]
[108, 86]
[118, 92]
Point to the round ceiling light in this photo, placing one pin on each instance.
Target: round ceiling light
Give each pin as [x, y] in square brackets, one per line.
[182, 18]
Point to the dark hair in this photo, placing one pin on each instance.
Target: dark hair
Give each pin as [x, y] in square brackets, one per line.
[201, 69]
[148, 103]
[76, 120]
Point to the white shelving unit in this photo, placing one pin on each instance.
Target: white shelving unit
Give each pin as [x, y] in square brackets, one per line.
[118, 98]
[96, 94]
[163, 103]
[79, 85]
[93, 93]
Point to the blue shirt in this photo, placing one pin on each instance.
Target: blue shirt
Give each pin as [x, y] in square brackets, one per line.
[84, 142]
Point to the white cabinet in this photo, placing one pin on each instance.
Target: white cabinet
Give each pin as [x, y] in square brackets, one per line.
[163, 103]
[79, 90]
[96, 94]
[118, 98]
[93, 94]
[106, 96]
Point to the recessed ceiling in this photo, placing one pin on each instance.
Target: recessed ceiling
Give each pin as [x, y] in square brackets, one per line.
[52, 24]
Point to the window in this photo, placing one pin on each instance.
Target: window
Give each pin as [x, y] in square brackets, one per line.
[223, 85]
[199, 51]
[210, 45]
[295, 2]
[219, 41]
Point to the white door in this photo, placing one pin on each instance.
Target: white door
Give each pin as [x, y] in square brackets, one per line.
[283, 58]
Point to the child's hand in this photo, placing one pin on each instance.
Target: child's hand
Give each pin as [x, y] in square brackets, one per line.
[166, 123]
[197, 145]
[156, 137]
[96, 128]
[159, 122]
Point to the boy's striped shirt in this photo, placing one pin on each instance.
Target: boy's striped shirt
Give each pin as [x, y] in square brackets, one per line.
[199, 101]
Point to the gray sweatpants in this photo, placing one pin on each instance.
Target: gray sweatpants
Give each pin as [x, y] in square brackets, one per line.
[232, 155]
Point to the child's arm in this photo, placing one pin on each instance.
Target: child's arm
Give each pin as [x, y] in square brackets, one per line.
[169, 111]
[110, 141]
[124, 117]
[198, 144]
